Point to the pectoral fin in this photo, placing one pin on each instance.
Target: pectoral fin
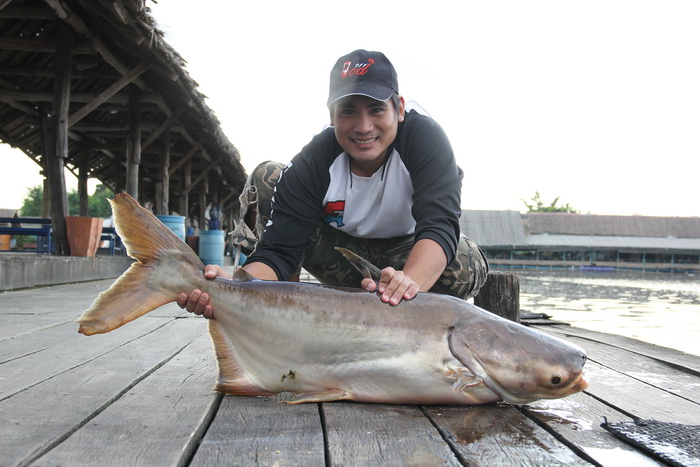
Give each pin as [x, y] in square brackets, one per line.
[324, 396]
[463, 378]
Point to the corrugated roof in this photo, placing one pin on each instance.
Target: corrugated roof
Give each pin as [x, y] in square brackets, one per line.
[493, 228]
[616, 242]
[631, 226]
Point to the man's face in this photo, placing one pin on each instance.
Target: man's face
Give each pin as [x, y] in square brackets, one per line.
[365, 128]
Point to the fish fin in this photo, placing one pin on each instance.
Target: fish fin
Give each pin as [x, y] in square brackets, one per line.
[232, 378]
[463, 377]
[241, 275]
[160, 256]
[323, 396]
[115, 306]
[367, 269]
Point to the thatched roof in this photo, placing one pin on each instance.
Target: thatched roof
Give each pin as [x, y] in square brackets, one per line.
[117, 43]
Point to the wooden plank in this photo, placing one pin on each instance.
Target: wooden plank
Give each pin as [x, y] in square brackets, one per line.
[576, 420]
[159, 421]
[263, 431]
[373, 434]
[648, 370]
[58, 349]
[44, 308]
[27, 311]
[34, 421]
[671, 356]
[639, 399]
[499, 435]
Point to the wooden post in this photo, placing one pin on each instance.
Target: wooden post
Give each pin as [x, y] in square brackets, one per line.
[133, 146]
[84, 167]
[56, 138]
[185, 181]
[163, 190]
[501, 295]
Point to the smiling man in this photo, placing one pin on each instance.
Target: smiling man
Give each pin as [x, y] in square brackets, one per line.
[381, 182]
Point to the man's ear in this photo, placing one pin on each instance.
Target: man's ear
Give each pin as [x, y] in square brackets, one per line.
[402, 108]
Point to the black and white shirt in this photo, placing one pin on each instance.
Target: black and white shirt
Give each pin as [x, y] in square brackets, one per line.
[417, 191]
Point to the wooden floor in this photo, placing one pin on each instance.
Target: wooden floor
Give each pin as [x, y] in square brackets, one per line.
[142, 395]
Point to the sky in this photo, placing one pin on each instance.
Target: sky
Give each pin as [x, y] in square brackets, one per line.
[596, 103]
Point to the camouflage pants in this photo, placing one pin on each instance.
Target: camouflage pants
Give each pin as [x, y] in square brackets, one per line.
[462, 278]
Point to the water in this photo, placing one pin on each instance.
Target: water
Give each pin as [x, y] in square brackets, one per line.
[659, 308]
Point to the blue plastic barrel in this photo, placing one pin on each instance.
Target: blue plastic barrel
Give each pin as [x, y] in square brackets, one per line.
[174, 223]
[211, 246]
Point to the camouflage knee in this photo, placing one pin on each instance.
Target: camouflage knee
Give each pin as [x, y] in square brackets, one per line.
[256, 204]
[466, 274]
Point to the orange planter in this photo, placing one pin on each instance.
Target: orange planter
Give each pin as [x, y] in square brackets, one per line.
[84, 235]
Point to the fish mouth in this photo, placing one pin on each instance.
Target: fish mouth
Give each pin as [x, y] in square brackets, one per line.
[581, 385]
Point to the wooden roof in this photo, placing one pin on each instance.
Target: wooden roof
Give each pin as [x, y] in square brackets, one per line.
[119, 57]
[625, 226]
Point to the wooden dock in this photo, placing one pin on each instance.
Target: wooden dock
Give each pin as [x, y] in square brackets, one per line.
[142, 395]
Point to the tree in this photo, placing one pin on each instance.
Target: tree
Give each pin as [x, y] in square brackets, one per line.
[98, 206]
[537, 205]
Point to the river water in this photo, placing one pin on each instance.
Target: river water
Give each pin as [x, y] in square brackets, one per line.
[660, 308]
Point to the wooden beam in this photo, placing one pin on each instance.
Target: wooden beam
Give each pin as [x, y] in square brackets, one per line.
[204, 173]
[80, 97]
[43, 46]
[184, 159]
[165, 125]
[107, 93]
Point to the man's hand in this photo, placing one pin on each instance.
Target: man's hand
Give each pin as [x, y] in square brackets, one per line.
[197, 302]
[393, 286]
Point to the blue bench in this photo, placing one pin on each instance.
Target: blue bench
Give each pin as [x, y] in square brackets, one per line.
[42, 231]
[44, 234]
[109, 234]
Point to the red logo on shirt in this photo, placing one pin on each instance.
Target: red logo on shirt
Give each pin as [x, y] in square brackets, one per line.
[333, 212]
[359, 69]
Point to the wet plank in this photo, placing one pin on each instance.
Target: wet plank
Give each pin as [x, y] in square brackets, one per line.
[157, 422]
[263, 431]
[373, 434]
[34, 421]
[499, 435]
[638, 399]
[576, 421]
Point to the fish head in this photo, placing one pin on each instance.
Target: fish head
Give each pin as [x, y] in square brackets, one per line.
[518, 363]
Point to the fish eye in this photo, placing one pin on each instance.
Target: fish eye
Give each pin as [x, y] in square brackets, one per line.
[556, 379]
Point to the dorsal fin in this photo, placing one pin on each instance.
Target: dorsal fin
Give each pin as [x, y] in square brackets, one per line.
[241, 275]
[367, 269]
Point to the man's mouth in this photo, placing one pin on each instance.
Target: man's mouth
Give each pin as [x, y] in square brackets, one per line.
[365, 141]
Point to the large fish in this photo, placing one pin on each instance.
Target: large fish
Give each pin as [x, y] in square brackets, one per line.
[329, 343]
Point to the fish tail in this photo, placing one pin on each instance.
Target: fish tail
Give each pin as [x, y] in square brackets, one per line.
[367, 269]
[163, 264]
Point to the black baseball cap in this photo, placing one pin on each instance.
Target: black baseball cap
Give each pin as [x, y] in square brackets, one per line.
[363, 72]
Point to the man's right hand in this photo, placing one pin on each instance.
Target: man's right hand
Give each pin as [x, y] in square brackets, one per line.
[197, 302]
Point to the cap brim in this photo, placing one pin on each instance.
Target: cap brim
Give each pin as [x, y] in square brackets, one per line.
[375, 91]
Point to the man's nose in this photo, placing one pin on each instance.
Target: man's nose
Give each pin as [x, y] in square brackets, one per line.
[363, 123]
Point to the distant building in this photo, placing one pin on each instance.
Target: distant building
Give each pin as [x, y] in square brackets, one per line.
[548, 240]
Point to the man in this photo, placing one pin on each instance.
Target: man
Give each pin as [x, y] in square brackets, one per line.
[381, 182]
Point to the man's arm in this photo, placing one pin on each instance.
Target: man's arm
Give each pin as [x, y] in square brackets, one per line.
[424, 265]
